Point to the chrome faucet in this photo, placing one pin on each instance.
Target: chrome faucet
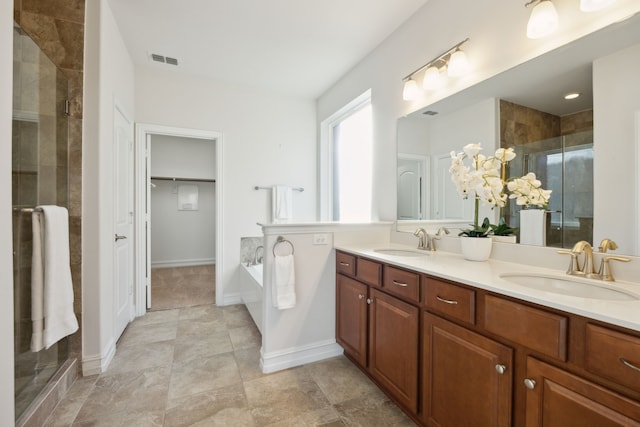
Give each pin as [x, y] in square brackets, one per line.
[438, 236]
[256, 259]
[423, 239]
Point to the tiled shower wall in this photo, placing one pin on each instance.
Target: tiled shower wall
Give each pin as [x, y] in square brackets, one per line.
[57, 27]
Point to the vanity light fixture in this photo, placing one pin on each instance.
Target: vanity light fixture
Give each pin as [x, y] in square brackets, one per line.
[593, 5]
[453, 60]
[543, 20]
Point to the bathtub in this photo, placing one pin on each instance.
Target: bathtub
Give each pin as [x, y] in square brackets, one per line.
[252, 290]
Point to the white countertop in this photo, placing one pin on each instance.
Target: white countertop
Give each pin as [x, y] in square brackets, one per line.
[486, 275]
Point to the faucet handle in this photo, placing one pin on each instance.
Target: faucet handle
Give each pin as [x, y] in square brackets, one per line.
[574, 265]
[605, 268]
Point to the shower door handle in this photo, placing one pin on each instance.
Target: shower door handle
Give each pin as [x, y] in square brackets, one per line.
[120, 237]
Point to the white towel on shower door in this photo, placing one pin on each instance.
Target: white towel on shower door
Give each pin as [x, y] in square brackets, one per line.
[283, 289]
[282, 203]
[52, 288]
[533, 227]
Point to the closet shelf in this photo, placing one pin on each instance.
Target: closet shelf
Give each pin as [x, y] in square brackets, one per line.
[168, 178]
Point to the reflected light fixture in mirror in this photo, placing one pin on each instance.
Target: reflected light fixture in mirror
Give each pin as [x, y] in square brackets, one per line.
[454, 60]
[593, 5]
[543, 20]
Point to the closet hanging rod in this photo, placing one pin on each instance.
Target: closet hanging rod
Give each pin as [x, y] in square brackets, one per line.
[167, 178]
[257, 187]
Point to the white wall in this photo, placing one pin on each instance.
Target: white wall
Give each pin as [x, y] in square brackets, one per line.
[175, 156]
[614, 110]
[7, 409]
[496, 29]
[267, 139]
[181, 238]
[109, 77]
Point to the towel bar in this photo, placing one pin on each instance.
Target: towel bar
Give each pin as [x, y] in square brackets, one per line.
[282, 240]
[257, 187]
[27, 210]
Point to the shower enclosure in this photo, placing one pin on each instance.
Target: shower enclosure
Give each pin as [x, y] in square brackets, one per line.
[39, 177]
[564, 165]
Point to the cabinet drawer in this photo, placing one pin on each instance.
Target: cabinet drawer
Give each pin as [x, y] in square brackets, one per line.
[345, 264]
[536, 329]
[450, 300]
[369, 271]
[613, 355]
[401, 282]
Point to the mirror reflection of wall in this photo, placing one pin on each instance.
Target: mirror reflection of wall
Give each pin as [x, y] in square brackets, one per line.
[559, 150]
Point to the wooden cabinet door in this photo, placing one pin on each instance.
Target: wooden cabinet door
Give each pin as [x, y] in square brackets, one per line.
[351, 318]
[466, 378]
[560, 399]
[393, 347]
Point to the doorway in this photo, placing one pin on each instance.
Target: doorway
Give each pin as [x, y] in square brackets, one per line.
[179, 222]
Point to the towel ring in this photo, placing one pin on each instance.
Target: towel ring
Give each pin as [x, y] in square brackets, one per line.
[282, 240]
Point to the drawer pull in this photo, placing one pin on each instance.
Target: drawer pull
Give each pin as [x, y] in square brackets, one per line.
[404, 285]
[344, 264]
[501, 369]
[530, 384]
[446, 301]
[629, 364]
[360, 296]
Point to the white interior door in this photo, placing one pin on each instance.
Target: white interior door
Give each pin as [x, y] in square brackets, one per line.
[449, 205]
[123, 218]
[410, 182]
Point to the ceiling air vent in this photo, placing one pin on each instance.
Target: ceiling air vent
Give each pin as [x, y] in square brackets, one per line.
[164, 59]
[430, 113]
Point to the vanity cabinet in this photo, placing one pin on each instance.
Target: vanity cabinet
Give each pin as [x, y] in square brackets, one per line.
[465, 376]
[452, 355]
[556, 398]
[379, 331]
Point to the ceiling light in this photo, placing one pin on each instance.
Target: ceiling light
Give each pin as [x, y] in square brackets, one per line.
[543, 20]
[410, 91]
[592, 5]
[458, 64]
[454, 59]
[573, 95]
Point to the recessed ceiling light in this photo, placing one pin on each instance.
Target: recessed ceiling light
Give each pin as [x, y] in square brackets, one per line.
[571, 95]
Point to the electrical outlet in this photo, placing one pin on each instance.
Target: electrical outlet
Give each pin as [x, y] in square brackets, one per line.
[320, 239]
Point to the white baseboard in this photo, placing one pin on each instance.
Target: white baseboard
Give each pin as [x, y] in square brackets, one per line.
[232, 298]
[279, 360]
[97, 364]
[182, 263]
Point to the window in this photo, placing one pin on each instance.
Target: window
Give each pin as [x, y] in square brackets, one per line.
[347, 162]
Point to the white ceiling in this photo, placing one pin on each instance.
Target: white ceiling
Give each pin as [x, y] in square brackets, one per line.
[293, 47]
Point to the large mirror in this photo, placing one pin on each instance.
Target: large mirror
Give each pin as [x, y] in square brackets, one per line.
[498, 111]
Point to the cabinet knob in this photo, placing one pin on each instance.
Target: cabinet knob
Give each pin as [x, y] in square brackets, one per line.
[501, 369]
[529, 383]
[360, 296]
[369, 301]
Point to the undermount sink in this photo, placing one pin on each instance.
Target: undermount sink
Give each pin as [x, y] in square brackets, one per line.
[572, 286]
[401, 252]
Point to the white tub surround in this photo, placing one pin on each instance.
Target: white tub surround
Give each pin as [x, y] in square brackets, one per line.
[487, 275]
[306, 332]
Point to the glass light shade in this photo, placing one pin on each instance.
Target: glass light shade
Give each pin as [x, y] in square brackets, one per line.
[458, 64]
[410, 91]
[592, 5]
[432, 78]
[543, 20]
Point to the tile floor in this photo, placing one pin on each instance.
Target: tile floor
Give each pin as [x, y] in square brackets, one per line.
[198, 366]
[177, 287]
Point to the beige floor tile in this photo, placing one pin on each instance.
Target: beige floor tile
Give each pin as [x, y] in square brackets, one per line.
[245, 337]
[225, 407]
[140, 333]
[318, 417]
[248, 360]
[190, 347]
[373, 409]
[283, 395]
[201, 312]
[200, 326]
[138, 357]
[200, 375]
[237, 316]
[339, 379]
[68, 409]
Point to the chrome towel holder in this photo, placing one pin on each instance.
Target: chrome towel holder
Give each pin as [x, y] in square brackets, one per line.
[282, 240]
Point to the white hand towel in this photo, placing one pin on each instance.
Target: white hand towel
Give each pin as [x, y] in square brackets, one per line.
[282, 203]
[283, 291]
[52, 278]
[533, 227]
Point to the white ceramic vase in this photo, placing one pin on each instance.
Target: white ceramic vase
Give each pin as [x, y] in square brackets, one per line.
[476, 248]
[512, 238]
